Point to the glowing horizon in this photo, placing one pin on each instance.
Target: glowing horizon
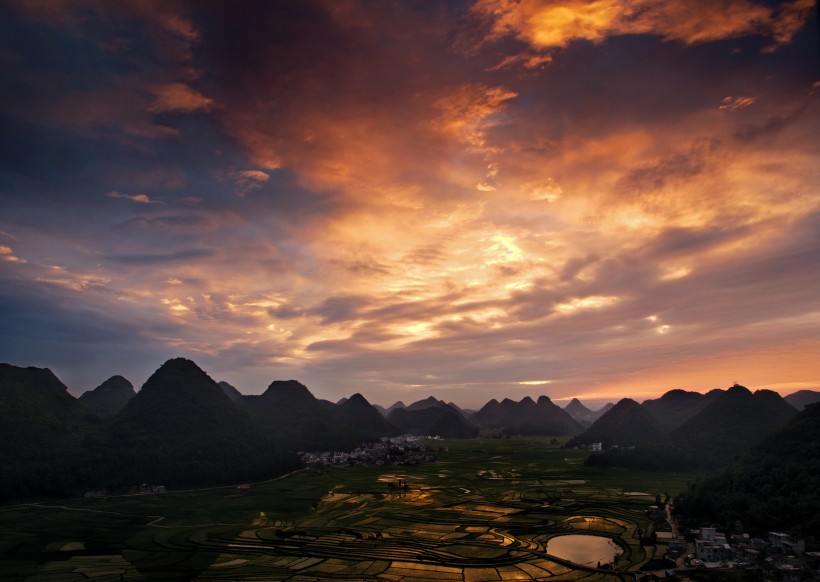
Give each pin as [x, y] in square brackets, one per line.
[476, 200]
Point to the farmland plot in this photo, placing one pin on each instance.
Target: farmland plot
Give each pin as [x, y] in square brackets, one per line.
[485, 510]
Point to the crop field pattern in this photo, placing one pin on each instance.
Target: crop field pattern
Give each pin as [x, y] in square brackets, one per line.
[485, 510]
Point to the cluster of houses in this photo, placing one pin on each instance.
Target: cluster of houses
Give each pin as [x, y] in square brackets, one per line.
[401, 450]
[781, 557]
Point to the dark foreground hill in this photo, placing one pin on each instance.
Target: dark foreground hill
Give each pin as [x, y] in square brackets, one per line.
[734, 421]
[629, 423]
[293, 419]
[359, 416]
[181, 429]
[677, 406]
[626, 424]
[775, 486]
[527, 417]
[108, 398]
[42, 430]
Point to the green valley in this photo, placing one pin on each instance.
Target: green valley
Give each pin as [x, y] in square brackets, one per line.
[484, 510]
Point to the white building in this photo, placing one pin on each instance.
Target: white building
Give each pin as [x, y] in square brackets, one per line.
[786, 543]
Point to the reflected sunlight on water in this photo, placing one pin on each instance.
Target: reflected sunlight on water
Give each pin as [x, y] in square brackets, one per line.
[584, 549]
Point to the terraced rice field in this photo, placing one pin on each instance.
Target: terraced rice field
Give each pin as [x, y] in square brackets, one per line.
[484, 511]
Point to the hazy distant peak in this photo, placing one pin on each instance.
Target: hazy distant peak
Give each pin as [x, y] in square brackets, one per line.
[116, 381]
[114, 384]
[108, 398]
[229, 390]
[429, 402]
[803, 398]
[575, 406]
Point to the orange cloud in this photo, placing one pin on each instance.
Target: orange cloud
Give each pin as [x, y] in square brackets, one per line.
[179, 97]
[546, 24]
[141, 198]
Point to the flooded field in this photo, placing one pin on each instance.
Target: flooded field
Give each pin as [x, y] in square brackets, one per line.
[485, 510]
[584, 549]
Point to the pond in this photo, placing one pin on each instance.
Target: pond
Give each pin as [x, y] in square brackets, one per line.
[584, 549]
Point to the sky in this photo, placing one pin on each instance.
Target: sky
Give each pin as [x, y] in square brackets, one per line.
[474, 200]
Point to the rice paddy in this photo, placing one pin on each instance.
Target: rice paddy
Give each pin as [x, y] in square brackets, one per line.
[485, 510]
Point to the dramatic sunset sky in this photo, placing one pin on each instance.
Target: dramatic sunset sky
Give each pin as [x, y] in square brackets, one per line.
[592, 198]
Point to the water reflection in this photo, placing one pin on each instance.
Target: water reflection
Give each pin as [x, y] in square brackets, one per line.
[584, 549]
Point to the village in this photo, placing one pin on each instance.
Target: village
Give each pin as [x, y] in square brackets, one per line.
[401, 450]
[779, 557]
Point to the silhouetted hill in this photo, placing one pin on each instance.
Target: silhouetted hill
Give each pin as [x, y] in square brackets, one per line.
[625, 424]
[803, 398]
[181, 429]
[583, 415]
[578, 411]
[358, 415]
[734, 421]
[437, 420]
[604, 409]
[429, 402]
[461, 411]
[395, 406]
[42, 430]
[293, 419]
[677, 406]
[527, 417]
[229, 390]
[775, 486]
[108, 398]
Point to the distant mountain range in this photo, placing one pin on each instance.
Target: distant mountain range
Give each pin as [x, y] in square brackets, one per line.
[184, 429]
[441, 420]
[527, 417]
